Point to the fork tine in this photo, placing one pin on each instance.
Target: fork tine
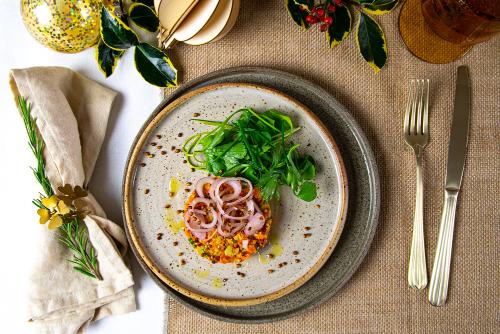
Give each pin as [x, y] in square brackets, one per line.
[406, 124]
[419, 111]
[426, 110]
[414, 107]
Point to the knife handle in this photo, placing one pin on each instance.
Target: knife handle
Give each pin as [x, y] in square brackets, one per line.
[440, 277]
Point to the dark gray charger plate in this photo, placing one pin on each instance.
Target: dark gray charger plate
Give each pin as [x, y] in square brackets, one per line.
[362, 213]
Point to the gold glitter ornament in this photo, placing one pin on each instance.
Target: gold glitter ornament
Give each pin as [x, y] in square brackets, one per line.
[63, 25]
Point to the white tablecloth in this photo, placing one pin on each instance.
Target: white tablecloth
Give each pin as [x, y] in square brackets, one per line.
[137, 100]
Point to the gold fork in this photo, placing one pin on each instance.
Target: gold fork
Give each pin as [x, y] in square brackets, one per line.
[416, 131]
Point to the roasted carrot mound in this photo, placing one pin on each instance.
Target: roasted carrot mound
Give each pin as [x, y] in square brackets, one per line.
[218, 249]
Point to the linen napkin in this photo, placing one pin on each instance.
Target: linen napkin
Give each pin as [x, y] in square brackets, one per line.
[71, 114]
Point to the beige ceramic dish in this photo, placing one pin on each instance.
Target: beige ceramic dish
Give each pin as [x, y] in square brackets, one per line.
[303, 234]
[219, 25]
[171, 14]
[197, 19]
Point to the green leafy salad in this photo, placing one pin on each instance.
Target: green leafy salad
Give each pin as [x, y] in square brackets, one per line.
[254, 145]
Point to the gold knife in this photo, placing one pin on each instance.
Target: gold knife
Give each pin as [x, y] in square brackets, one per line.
[457, 151]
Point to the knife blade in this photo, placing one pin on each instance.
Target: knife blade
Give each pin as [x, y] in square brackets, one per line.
[457, 151]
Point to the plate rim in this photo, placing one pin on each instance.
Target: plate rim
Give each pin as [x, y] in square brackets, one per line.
[129, 174]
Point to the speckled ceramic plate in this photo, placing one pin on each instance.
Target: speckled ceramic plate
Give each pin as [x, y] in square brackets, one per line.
[363, 208]
[303, 234]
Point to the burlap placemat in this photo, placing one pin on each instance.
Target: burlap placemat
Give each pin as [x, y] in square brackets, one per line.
[377, 299]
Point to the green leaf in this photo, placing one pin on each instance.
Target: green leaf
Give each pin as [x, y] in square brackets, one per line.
[155, 66]
[297, 14]
[115, 33]
[371, 42]
[307, 167]
[379, 7]
[268, 186]
[306, 4]
[84, 272]
[276, 115]
[237, 151]
[107, 58]
[340, 28]
[144, 17]
[214, 139]
[234, 154]
[307, 191]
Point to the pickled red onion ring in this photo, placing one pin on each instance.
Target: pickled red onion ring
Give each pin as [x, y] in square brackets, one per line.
[255, 224]
[236, 191]
[194, 221]
[201, 183]
[230, 211]
[214, 220]
[203, 200]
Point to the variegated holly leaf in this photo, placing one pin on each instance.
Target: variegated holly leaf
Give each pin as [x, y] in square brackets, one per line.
[149, 3]
[371, 42]
[305, 4]
[155, 66]
[144, 17]
[341, 27]
[297, 13]
[378, 7]
[107, 58]
[115, 33]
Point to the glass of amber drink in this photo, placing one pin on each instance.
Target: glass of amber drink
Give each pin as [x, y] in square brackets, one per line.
[463, 21]
[441, 31]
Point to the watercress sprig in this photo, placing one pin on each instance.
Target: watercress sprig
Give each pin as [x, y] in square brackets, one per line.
[255, 146]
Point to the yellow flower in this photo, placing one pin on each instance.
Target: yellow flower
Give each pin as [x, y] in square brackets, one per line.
[55, 222]
[44, 215]
[50, 202]
[62, 208]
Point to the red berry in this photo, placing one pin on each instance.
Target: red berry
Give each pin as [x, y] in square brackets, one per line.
[328, 20]
[323, 27]
[311, 19]
[338, 2]
[321, 12]
[331, 8]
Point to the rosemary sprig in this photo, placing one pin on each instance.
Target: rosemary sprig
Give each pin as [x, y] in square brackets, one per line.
[71, 233]
[75, 237]
[36, 145]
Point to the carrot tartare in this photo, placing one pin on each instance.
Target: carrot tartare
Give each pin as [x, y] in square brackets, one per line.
[226, 220]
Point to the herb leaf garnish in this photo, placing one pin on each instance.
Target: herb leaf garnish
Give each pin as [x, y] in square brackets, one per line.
[255, 146]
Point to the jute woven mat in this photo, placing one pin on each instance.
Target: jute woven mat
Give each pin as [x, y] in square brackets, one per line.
[377, 299]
